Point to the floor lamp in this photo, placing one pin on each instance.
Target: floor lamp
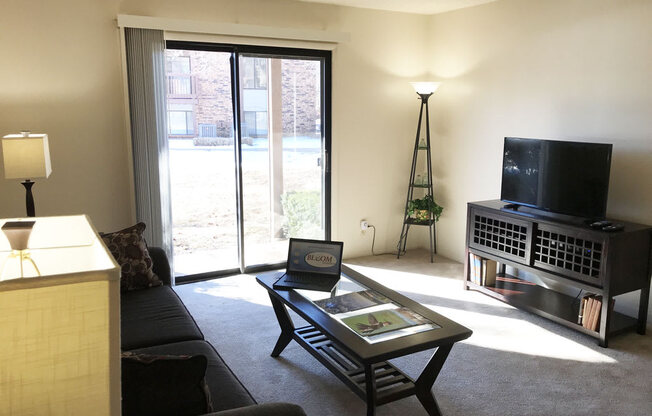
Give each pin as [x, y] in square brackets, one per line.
[26, 156]
[424, 90]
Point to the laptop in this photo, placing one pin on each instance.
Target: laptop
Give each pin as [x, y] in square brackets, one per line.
[312, 265]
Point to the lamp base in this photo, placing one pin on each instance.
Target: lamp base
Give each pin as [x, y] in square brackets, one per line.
[29, 198]
[18, 233]
[22, 256]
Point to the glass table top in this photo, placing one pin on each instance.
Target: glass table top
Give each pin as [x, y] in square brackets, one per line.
[368, 313]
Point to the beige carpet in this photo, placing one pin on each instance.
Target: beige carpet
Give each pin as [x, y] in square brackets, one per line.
[515, 363]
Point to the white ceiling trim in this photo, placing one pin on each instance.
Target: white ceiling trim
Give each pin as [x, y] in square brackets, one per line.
[231, 29]
[427, 7]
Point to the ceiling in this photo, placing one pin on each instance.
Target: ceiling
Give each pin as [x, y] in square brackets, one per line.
[408, 6]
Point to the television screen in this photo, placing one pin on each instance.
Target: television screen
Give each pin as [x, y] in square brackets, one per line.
[569, 178]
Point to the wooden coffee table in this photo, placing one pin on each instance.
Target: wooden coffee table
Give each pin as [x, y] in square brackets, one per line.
[359, 364]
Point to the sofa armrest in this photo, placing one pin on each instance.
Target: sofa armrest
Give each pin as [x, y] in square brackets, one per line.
[161, 264]
[265, 409]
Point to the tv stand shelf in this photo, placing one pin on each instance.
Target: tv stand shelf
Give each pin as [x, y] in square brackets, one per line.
[568, 252]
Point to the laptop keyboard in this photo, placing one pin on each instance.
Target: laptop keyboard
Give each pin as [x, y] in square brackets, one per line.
[299, 277]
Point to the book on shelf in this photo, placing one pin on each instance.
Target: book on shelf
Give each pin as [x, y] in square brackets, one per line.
[475, 265]
[477, 261]
[582, 309]
[489, 268]
[590, 311]
[595, 313]
[472, 267]
[482, 271]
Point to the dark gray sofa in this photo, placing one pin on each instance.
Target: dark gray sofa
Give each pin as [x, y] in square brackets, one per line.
[155, 321]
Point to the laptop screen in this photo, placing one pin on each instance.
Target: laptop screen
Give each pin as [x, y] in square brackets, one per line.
[323, 257]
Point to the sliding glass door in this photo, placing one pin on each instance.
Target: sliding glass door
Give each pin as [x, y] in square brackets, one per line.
[282, 153]
[201, 146]
[248, 131]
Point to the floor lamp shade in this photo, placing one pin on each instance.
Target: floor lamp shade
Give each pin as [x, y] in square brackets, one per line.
[60, 322]
[26, 156]
[425, 87]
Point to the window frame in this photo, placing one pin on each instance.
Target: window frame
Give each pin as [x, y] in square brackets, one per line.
[325, 59]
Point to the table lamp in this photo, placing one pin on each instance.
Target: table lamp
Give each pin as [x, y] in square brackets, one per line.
[60, 328]
[26, 156]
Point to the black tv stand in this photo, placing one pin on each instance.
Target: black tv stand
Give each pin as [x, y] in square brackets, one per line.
[571, 254]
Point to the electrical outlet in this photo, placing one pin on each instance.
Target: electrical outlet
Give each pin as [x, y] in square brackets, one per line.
[364, 225]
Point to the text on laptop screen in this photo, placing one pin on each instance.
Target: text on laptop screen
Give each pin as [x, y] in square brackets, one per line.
[314, 257]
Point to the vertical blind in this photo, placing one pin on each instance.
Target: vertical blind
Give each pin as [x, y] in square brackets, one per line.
[145, 50]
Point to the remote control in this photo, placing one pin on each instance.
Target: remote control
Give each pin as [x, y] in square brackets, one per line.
[600, 224]
[613, 227]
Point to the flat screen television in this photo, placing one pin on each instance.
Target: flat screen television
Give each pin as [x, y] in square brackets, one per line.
[570, 178]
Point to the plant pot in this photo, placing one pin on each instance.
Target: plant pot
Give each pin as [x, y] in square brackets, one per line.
[422, 215]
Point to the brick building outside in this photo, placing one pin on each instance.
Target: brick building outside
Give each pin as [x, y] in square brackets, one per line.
[199, 97]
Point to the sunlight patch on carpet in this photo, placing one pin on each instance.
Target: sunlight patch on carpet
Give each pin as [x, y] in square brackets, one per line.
[520, 336]
[410, 284]
[240, 287]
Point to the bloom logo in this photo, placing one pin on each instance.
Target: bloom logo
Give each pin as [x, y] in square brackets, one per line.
[320, 259]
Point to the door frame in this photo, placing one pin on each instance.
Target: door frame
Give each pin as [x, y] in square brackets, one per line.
[325, 58]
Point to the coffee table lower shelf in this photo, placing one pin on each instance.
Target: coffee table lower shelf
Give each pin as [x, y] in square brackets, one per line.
[391, 383]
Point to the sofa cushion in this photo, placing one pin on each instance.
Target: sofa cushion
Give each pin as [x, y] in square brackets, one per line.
[129, 249]
[226, 391]
[161, 265]
[265, 409]
[164, 385]
[155, 316]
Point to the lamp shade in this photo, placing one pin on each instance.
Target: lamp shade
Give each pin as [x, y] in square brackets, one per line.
[425, 87]
[26, 156]
[60, 325]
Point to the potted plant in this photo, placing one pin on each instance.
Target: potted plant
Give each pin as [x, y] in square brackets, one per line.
[420, 209]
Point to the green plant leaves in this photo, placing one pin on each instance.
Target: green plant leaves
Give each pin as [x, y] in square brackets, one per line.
[426, 203]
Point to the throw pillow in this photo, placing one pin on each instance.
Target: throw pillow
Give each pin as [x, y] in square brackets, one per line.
[129, 249]
[164, 385]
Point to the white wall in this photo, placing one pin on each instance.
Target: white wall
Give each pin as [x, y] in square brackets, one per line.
[570, 70]
[63, 77]
[60, 75]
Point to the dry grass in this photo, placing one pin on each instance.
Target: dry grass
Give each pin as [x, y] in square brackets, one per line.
[204, 198]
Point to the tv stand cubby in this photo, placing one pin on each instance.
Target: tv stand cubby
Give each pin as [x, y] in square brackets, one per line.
[567, 252]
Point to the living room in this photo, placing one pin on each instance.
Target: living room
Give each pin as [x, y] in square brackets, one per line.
[562, 70]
